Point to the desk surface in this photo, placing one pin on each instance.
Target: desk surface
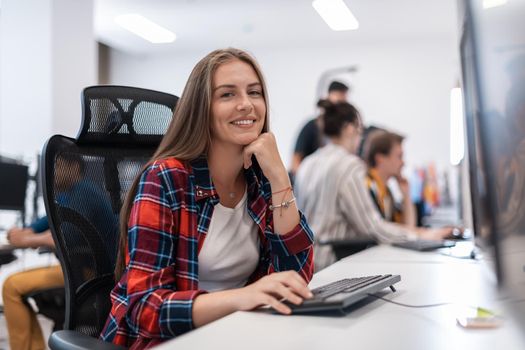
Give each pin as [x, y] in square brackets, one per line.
[426, 278]
[389, 254]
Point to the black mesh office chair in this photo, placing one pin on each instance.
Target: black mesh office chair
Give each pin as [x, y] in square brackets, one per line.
[85, 181]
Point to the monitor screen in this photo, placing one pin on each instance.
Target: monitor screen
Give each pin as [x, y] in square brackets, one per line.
[13, 185]
[477, 173]
[493, 69]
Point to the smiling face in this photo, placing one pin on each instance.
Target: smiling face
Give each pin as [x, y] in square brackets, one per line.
[238, 104]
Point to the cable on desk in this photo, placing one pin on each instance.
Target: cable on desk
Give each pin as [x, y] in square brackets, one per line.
[438, 304]
[408, 305]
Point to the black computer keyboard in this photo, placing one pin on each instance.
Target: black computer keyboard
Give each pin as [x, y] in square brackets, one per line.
[342, 293]
[347, 285]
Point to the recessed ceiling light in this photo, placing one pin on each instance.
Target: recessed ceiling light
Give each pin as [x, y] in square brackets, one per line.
[336, 14]
[145, 28]
[493, 3]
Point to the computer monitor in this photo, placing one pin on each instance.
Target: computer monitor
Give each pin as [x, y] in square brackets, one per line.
[475, 151]
[13, 186]
[493, 70]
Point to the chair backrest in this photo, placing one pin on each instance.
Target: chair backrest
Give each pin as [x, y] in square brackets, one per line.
[85, 182]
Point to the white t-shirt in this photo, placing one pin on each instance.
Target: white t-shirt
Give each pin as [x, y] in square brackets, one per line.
[230, 252]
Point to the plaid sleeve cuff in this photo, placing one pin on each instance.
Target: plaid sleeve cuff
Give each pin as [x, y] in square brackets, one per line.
[293, 242]
[176, 313]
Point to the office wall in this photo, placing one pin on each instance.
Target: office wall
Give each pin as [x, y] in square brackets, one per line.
[74, 58]
[402, 85]
[25, 70]
[48, 55]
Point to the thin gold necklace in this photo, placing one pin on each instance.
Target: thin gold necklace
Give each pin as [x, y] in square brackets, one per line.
[231, 194]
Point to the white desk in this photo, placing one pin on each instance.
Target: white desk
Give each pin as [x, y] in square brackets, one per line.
[375, 324]
[389, 254]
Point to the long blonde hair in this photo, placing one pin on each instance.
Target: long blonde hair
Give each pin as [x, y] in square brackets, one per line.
[189, 134]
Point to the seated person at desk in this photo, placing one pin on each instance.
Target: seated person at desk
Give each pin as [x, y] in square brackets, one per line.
[211, 226]
[384, 156]
[76, 193]
[332, 193]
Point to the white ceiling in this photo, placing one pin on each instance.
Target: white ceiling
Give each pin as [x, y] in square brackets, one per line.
[272, 23]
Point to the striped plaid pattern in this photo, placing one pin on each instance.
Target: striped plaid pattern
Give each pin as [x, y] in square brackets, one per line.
[168, 223]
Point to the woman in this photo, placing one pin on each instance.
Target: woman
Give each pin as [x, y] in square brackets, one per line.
[331, 189]
[200, 217]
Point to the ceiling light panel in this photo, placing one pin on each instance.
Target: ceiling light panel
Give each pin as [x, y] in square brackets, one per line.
[336, 14]
[487, 4]
[146, 29]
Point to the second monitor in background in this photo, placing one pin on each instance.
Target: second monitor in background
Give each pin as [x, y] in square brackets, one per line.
[13, 186]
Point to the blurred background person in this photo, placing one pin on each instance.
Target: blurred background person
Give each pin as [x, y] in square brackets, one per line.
[331, 191]
[311, 137]
[384, 158]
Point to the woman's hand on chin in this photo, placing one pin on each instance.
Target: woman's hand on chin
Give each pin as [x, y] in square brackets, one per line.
[264, 148]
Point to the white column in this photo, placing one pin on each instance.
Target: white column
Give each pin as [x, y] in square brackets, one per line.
[47, 55]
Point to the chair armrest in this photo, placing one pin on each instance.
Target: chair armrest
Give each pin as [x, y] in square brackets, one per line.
[349, 242]
[344, 247]
[49, 302]
[72, 340]
[55, 294]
